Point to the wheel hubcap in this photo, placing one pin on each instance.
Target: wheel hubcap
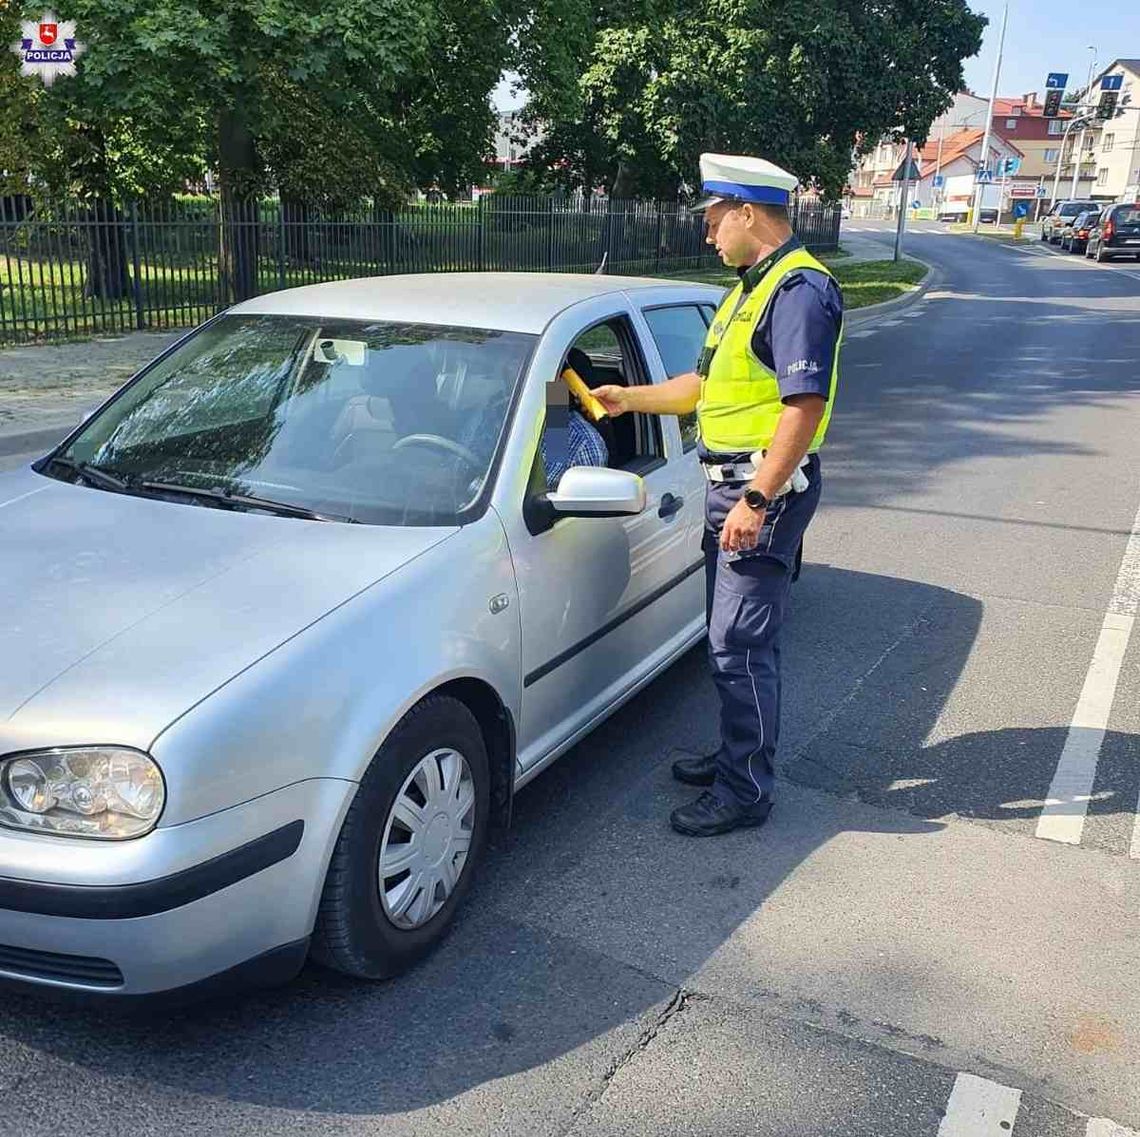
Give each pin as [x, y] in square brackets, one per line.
[427, 836]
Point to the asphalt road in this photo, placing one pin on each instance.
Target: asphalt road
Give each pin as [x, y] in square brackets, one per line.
[899, 950]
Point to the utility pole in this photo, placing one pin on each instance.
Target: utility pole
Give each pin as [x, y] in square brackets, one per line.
[990, 117]
[904, 192]
[1080, 118]
[1081, 138]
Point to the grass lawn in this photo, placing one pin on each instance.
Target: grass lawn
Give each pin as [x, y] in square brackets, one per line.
[863, 282]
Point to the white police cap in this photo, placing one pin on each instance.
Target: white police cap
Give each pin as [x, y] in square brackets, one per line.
[737, 177]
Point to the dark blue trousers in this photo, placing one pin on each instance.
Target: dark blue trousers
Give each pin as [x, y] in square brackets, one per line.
[746, 598]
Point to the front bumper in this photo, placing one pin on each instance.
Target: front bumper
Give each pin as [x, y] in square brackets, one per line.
[172, 909]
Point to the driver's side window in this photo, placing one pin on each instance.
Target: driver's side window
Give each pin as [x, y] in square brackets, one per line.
[609, 353]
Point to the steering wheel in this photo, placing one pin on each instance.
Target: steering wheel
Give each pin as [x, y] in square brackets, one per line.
[440, 443]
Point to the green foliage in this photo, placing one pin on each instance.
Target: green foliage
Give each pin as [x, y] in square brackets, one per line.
[803, 82]
[330, 100]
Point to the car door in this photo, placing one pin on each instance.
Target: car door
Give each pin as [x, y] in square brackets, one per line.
[604, 602]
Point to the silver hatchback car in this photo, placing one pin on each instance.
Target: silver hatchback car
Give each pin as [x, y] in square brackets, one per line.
[293, 615]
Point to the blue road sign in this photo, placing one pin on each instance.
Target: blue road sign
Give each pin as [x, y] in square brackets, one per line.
[1020, 209]
[938, 181]
[1041, 191]
[1057, 80]
[984, 176]
[1112, 82]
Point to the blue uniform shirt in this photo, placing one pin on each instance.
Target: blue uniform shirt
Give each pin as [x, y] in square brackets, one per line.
[798, 332]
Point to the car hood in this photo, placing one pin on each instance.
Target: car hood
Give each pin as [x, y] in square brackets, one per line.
[122, 612]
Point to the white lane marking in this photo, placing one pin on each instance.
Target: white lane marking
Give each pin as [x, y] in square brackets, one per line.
[1067, 801]
[1102, 1127]
[857, 335]
[979, 1108]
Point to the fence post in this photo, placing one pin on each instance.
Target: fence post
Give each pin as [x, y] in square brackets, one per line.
[657, 243]
[480, 236]
[550, 234]
[139, 322]
[280, 242]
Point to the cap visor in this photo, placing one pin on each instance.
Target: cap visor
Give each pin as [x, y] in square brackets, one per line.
[707, 203]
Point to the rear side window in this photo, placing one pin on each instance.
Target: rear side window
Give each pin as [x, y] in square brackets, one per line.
[1129, 216]
[679, 333]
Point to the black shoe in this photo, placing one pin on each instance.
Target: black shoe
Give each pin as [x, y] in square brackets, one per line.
[708, 815]
[699, 770]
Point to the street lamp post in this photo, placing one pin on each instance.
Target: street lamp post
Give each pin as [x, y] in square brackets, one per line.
[1083, 120]
[1081, 137]
[985, 157]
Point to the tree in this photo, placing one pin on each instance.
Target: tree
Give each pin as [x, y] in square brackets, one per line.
[802, 82]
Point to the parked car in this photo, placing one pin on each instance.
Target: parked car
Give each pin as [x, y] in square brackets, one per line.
[1061, 213]
[1075, 235]
[1116, 234]
[282, 637]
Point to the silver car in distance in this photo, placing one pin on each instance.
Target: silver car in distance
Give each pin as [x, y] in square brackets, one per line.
[291, 617]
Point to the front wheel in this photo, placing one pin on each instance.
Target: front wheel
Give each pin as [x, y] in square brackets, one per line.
[1100, 257]
[409, 845]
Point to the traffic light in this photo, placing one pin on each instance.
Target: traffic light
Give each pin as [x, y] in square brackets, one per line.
[1053, 102]
[1106, 108]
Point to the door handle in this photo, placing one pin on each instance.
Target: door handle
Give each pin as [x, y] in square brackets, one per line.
[670, 504]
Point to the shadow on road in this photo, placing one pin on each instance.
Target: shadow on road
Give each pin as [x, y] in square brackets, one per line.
[590, 911]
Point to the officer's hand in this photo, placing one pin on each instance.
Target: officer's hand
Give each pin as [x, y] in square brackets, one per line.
[614, 398]
[741, 528]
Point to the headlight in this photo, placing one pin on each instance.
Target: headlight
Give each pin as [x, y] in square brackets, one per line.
[107, 792]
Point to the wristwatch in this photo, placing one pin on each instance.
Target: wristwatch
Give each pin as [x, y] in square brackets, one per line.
[755, 499]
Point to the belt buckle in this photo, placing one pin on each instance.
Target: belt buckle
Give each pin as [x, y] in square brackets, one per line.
[728, 472]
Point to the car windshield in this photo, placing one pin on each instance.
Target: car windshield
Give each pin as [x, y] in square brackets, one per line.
[376, 422]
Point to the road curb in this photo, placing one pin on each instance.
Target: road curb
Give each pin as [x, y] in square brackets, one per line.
[873, 313]
[42, 438]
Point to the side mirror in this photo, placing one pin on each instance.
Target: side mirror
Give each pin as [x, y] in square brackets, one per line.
[595, 491]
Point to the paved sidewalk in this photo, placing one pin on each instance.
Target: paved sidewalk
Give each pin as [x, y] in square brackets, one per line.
[53, 384]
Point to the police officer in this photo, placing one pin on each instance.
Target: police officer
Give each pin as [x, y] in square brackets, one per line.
[763, 392]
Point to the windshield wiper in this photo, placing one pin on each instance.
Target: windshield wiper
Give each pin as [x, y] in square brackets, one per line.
[95, 475]
[225, 498]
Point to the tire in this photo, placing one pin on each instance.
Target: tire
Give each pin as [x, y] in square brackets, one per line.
[355, 933]
[1100, 257]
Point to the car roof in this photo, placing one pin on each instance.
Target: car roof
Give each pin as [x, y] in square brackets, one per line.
[505, 301]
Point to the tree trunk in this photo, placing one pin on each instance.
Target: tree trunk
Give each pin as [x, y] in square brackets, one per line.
[237, 253]
[107, 277]
[298, 246]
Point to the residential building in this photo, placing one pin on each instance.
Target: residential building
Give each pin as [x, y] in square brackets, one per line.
[1116, 150]
[1019, 129]
[1022, 122]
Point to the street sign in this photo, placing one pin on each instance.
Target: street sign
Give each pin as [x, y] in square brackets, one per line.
[1056, 80]
[901, 174]
[1007, 167]
[1022, 189]
[1042, 191]
[984, 176]
[1020, 210]
[1112, 82]
[938, 181]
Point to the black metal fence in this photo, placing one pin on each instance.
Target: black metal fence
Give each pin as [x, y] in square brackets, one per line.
[69, 271]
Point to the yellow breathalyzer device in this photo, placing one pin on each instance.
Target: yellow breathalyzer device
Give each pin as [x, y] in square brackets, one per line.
[593, 409]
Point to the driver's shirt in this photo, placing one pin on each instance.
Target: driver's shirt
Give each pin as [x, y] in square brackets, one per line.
[579, 445]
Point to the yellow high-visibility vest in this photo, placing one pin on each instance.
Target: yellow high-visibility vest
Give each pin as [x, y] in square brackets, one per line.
[740, 398]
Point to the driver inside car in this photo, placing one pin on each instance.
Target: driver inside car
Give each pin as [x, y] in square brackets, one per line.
[568, 439]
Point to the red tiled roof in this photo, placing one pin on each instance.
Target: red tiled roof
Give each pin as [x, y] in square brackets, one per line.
[954, 146]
